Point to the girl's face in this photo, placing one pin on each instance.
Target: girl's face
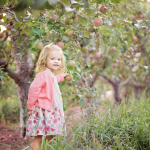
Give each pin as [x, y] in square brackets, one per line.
[53, 61]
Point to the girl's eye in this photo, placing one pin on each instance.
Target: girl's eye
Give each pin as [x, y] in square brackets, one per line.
[52, 58]
[59, 59]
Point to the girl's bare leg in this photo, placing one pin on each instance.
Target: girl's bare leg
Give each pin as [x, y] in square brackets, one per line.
[48, 138]
[36, 143]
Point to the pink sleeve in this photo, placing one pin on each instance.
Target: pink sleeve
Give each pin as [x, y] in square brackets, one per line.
[60, 78]
[34, 90]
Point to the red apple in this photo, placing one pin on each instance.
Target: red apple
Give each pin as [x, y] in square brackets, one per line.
[68, 78]
[60, 44]
[8, 27]
[103, 9]
[53, 17]
[114, 65]
[51, 35]
[141, 15]
[98, 22]
[69, 32]
[11, 54]
[125, 36]
[12, 22]
[134, 38]
[147, 63]
[1, 35]
[10, 136]
[97, 55]
[68, 82]
[26, 39]
[133, 17]
[88, 104]
[3, 137]
[91, 56]
[38, 46]
[71, 63]
[112, 48]
[78, 44]
[117, 61]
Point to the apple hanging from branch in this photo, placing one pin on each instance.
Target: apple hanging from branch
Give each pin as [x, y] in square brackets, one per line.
[71, 63]
[103, 9]
[68, 78]
[98, 22]
[38, 46]
[60, 44]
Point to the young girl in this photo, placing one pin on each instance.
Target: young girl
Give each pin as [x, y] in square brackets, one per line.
[46, 115]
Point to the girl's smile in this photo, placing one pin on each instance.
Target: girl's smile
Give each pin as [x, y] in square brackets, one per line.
[53, 61]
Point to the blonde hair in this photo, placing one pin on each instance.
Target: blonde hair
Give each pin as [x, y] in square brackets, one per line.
[41, 63]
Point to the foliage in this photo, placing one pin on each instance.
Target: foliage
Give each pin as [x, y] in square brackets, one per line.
[9, 109]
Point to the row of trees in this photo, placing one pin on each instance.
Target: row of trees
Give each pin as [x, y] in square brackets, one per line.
[102, 38]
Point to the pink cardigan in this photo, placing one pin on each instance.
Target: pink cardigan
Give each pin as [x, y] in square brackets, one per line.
[41, 91]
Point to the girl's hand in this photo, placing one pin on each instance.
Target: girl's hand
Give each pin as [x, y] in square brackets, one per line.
[66, 74]
[68, 77]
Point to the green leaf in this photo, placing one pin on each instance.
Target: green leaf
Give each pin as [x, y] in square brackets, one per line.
[68, 14]
[66, 2]
[38, 4]
[131, 62]
[86, 34]
[135, 68]
[48, 6]
[82, 20]
[37, 31]
[21, 5]
[4, 73]
[82, 102]
[89, 11]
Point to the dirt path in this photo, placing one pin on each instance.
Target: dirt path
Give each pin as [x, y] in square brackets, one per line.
[12, 140]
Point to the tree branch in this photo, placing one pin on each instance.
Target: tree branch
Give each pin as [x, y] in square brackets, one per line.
[4, 37]
[12, 74]
[107, 79]
[96, 75]
[125, 82]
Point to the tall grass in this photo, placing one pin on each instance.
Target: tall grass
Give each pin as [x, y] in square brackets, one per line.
[126, 127]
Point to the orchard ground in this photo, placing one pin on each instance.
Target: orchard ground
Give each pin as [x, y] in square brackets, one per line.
[10, 135]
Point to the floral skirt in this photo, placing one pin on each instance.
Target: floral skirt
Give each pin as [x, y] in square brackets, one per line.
[43, 122]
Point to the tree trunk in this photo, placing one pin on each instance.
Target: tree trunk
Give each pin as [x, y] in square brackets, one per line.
[117, 92]
[117, 85]
[21, 78]
[23, 97]
[138, 89]
[23, 88]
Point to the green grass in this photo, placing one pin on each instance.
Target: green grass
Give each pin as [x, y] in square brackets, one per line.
[126, 127]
